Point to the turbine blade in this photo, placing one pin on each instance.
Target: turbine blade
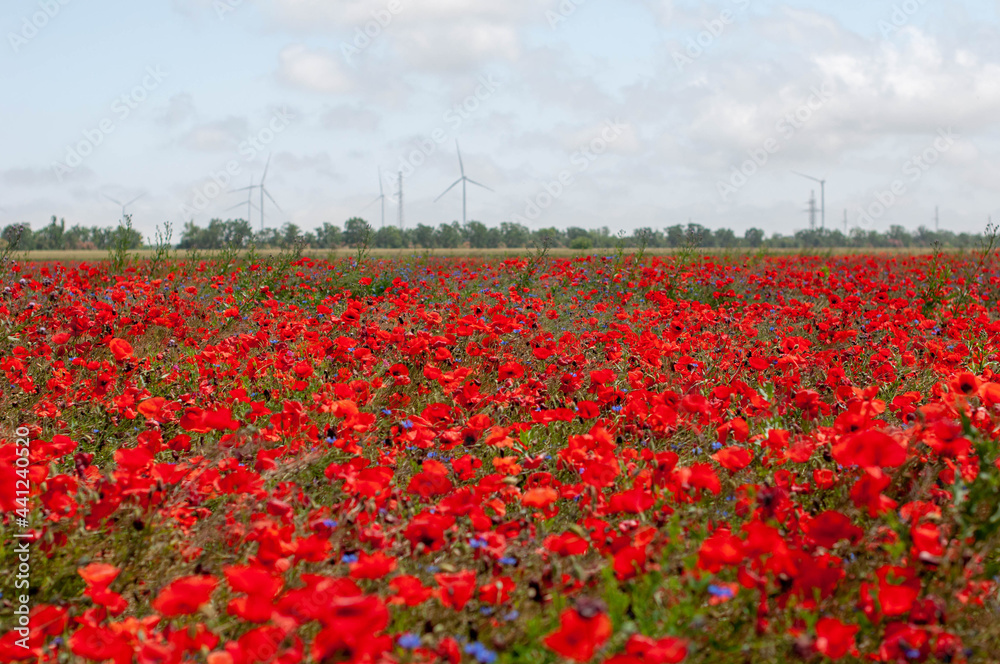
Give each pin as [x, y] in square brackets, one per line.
[461, 165]
[112, 200]
[233, 191]
[380, 197]
[479, 184]
[134, 199]
[456, 183]
[271, 198]
[266, 166]
[808, 177]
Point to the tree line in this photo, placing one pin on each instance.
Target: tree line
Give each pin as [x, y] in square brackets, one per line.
[56, 237]
[357, 232]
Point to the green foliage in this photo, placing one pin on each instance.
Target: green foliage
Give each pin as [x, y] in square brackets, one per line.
[161, 248]
[238, 233]
[125, 239]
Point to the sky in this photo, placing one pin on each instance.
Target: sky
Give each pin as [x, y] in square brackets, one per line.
[589, 113]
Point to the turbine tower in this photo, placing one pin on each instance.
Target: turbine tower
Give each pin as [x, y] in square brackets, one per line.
[124, 205]
[463, 181]
[401, 200]
[263, 192]
[822, 193]
[249, 191]
[381, 197]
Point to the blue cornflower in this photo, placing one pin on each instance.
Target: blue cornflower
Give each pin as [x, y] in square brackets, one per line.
[482, 654]
[720, 591]
[408, 641]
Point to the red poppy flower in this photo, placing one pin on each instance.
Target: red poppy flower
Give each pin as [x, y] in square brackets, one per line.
[121, 349]
[185, 595]
[733, 459]
[720, 550]
[830, 527]
[456, 589]
[409, 591]
[869, 449]
[579, 637]
[198, 420]
[834, 639]
[374, 566]
[643, 650]
[540, 497]
[98, 575]
[101, 644]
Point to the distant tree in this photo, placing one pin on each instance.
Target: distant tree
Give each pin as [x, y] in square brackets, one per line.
[268, 237]
[753, 237]
[329, 236]
[190, 236]
[698, 235]
[675, 236]
[290, 234]
[574, 233]
[602, 238]
[647, 237]
[51, 236]
[724, 238]
[423, 236]
[357, 232]
[389, 237]
[449, 235]
[19, 236]
[552, 237]
[514, 235]
[479, 236]
[236, 233]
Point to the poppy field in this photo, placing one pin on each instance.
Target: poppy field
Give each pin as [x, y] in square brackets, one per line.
[684, 458]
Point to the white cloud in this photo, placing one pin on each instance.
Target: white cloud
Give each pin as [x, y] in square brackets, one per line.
[218, 136]
[313, 69]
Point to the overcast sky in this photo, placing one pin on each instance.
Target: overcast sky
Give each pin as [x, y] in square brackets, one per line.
[618, 113]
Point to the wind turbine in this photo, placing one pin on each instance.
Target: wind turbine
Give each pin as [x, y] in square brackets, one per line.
[822, 190]
[249, 191]
[381, 197]
[263, 192]
[401, 200]
[124, 205]
[462, 180]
